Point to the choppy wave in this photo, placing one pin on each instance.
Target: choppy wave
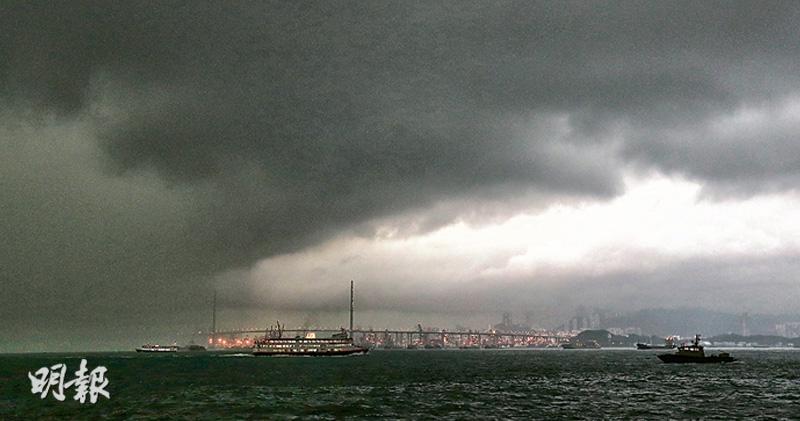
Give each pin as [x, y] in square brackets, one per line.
[412, 385]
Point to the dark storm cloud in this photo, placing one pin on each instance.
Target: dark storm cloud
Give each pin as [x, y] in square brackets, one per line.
[276, 125]
[757, 154]
[328, 93]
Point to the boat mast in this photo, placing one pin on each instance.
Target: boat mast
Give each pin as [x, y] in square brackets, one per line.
[351, 309]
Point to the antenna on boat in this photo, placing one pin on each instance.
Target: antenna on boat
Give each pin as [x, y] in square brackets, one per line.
[351, 309]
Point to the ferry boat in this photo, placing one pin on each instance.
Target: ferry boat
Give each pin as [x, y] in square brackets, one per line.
[157, 348]
[694, 353]
[275, 344]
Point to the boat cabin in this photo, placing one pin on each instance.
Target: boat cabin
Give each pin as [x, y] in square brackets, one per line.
[692, 350]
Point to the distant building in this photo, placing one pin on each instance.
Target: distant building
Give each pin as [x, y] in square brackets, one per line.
[744, 321]
[616, 331]
[584, 319]
[624, 331]
[507, 325]
[594, 320]
[788, 330]
[529, 319]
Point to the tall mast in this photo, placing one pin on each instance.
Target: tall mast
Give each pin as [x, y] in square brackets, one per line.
[351, 309]
[214, 319]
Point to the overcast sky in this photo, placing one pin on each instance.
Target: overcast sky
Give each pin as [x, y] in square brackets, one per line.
[456, 159]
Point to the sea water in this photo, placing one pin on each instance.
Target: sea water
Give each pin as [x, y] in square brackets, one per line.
[416, 384]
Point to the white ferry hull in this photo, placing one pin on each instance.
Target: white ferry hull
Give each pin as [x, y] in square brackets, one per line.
[311, 352]
[160, 350]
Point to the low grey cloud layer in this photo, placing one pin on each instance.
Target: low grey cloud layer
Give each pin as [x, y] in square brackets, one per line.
[151, 145]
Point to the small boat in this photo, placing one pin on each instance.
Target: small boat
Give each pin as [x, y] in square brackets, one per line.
[651, 346]
[694, 353]
[581, 345]
[192, 348]
[669, 343]
[157, 348]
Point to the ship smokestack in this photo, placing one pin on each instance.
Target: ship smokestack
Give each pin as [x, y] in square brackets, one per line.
[351, 309]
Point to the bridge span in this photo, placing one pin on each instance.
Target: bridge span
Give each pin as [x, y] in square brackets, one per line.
[412, 338]
[390, 338]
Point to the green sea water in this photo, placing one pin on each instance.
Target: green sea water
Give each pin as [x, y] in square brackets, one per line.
[440, 384]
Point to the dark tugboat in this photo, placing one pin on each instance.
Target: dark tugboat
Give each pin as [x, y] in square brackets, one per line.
[693, 353]
[192, 348]
[581, 345]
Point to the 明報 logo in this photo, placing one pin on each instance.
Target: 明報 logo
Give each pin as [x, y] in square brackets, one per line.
[86, 383]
